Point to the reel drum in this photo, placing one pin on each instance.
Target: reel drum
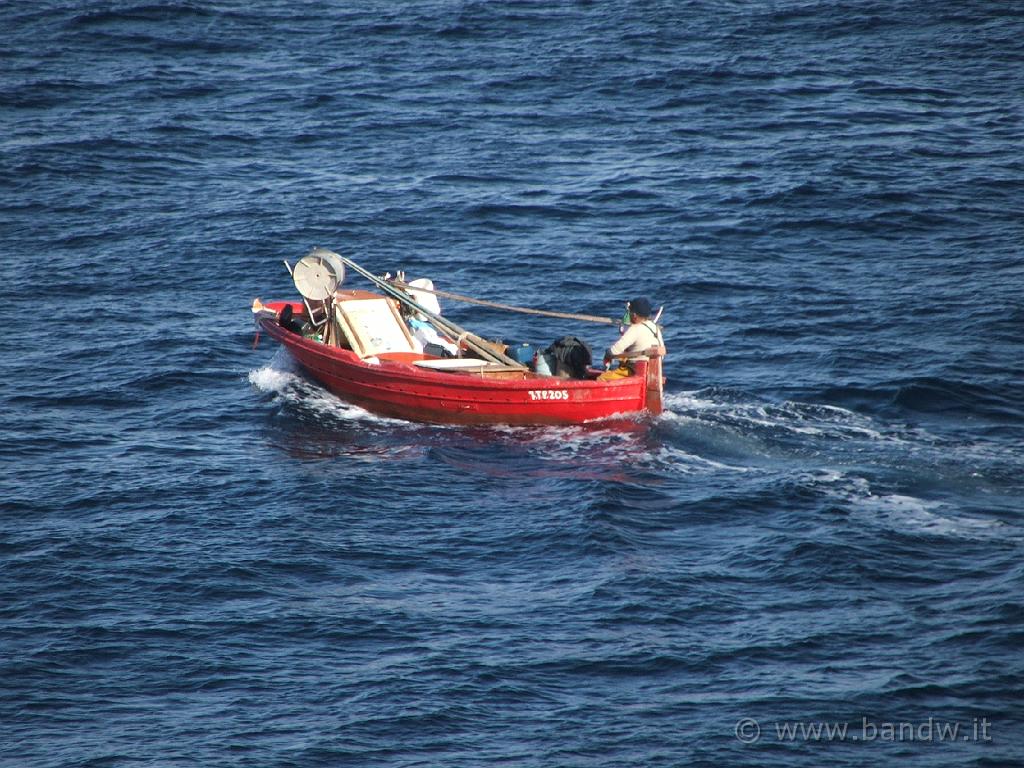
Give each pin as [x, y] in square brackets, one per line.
[318, 274]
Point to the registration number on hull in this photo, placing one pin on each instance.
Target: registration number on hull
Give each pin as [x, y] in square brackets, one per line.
[549, 394]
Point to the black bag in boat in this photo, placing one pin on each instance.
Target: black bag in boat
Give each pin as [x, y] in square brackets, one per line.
[430, 348]
[289, 322]
[572, 357]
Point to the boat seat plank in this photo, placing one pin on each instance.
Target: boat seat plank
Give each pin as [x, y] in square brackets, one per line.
[456, 364]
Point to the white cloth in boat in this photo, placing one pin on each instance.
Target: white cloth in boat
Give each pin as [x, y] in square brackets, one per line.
[426, 300]
[637, 339]
[424, 333]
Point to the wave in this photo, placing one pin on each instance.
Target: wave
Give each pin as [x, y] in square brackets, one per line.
[152, 12]
[282, 380]
[947, 396]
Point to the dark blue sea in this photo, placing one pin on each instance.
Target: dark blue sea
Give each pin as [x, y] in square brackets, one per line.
[814, 557]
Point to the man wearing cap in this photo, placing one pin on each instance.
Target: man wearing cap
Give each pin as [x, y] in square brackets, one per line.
[642, 334]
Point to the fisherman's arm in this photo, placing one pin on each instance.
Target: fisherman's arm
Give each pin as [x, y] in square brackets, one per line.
[625, 341]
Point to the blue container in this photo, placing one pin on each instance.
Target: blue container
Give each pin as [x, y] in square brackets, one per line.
[521, 353]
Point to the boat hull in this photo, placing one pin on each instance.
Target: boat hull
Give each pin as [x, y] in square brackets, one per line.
[404, 391]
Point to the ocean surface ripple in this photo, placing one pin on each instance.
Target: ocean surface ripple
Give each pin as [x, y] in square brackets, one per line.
[206, 559]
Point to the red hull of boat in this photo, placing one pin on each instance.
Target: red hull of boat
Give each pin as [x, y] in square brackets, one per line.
[404, 391]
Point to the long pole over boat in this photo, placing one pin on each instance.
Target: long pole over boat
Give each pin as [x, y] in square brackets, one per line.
[474, 342]
[509, 307]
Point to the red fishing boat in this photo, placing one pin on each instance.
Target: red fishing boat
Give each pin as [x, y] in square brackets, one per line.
[360, 347]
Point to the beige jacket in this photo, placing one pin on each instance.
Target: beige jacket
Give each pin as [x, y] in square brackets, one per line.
[637, 339]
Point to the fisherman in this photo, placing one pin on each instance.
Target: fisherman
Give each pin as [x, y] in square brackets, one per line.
[642, 334]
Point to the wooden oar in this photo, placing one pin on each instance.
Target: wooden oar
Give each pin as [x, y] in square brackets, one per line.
[509, 307]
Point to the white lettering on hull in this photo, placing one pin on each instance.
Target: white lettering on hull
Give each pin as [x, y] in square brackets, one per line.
[549, 394]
